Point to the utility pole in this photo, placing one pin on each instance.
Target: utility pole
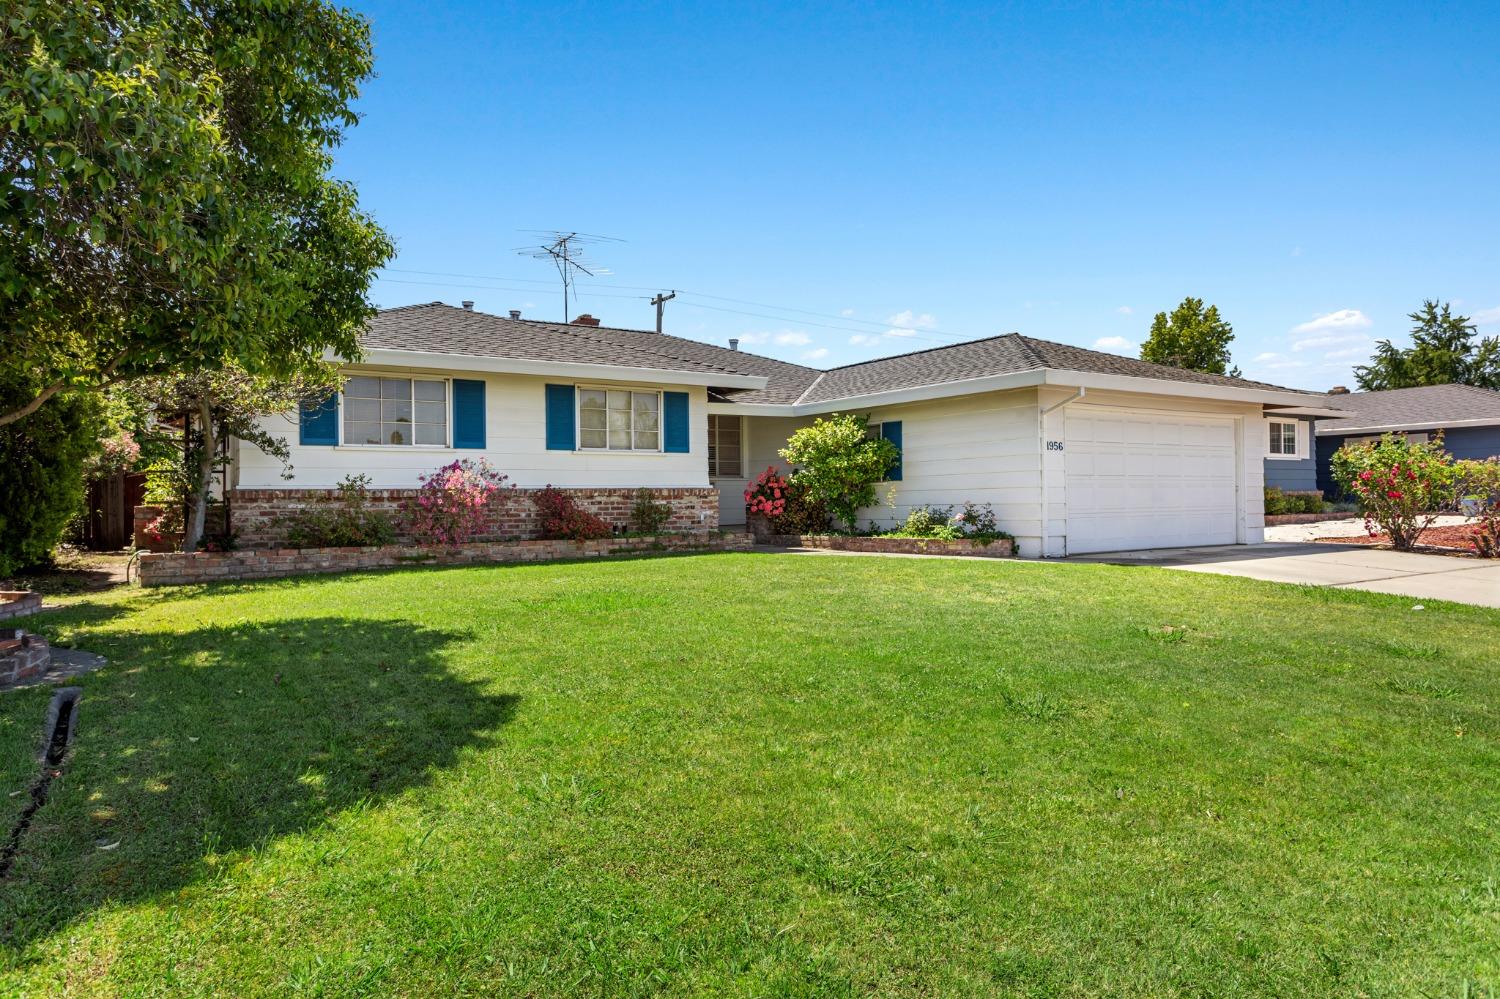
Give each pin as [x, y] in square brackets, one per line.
[659, 301]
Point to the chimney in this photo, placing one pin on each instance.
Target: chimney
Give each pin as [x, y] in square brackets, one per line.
[515, 313]
[585, 320]
[734, 343]
[468, 305]
[1338, 390]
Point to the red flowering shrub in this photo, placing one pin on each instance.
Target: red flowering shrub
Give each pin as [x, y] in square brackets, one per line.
[1401, 485]
[449, 506]
[561, 518]
[767, 494]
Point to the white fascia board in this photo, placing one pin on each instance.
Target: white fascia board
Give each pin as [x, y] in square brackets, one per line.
[561, 369]
[1191, 390]
[1382, 428]
[752, 409]
[1274, 411]
[922, 393]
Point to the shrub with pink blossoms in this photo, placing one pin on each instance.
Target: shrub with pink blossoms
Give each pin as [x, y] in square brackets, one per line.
[1401, 485]
[767, 494]
[449, 508]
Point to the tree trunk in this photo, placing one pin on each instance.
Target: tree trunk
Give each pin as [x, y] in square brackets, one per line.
[192, 532]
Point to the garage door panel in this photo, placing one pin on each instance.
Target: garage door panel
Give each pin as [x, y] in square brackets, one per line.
[1145, 481]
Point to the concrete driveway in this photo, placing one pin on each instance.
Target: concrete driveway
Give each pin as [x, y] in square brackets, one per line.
[1432, 577]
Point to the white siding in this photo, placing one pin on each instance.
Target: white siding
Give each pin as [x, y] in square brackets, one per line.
[980, 448]
[515, 444]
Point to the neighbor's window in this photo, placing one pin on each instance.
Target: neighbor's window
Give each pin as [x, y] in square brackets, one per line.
[724, 442]
[619, 420]
[404, 411]
[1283, 438]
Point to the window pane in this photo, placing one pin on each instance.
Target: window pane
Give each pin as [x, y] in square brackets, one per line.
[645, 402]
[395, 411]
[395, 388]
[592, 438]
[619, 400]
[729, 461]
[619, 420]
[362, 433]
[428, 433]
[645, 441]
[431, 391]
[645, 421]
[592, 419]
[396, 433]
[362, 387]
[591, 399]
[619, 440]
[361, 410]
[432, 412]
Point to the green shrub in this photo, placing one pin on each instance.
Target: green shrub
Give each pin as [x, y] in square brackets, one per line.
[562, 518]
[649, 516]
[839, 463]
[802, 513]
[1302, 501]
[1400, 484]
[42, 458]
[343, 520]
[928, 522]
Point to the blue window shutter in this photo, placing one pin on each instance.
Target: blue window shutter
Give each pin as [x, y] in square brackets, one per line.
[891, 431]
[468, 412]
[562, 418]
[319, 421]
[674, 416]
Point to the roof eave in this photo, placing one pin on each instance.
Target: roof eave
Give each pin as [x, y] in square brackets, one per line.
[1164, 386]
[1340, 430]
[385, 356]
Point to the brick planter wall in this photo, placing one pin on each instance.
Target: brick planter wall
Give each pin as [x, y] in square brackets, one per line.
[22, 656]
[1002, 548]
[512, 515]
[141, 517]
[210, 567]
[14, 603]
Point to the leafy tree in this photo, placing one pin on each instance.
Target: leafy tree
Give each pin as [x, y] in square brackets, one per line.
[839, 463]
[1192, 337]
[1443, 352]
[165, 203]
[42, 472]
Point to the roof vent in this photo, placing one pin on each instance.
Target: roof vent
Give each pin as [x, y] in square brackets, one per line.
[1338, 390]
[468, 305]
[515, 313]
[585, 320]
[734, 344]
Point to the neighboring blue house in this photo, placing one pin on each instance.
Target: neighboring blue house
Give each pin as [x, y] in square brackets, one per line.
[1469, 418]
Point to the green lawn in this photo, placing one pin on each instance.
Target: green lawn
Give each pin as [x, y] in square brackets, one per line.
[766, 775]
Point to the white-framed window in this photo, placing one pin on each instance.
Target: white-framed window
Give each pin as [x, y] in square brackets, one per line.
[1283, 442]
[405, 412]
[725, 447]
[619, 419]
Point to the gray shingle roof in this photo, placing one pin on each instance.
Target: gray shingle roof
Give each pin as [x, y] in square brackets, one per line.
[1430, 405]
[445, 329]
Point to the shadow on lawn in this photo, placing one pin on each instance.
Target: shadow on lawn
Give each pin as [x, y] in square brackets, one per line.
[196, 744]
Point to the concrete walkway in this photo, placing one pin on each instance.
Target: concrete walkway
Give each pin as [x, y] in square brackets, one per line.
[1432, 577]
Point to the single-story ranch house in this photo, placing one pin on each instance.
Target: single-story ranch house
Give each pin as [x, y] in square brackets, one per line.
[1077, 451]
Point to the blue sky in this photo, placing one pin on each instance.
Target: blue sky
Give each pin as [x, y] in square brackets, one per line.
[882, 178]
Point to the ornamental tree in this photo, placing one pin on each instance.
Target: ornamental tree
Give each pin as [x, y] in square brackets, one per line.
[1400, 485]
[1192, 337]
[839, 463]
[1443, 351]
[165, 203]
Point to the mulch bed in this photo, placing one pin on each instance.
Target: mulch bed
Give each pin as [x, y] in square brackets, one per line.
[1451, 540]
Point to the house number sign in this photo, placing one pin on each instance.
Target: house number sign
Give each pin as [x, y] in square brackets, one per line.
[1054, 445]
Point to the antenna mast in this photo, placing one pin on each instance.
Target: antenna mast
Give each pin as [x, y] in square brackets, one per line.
[565, 250]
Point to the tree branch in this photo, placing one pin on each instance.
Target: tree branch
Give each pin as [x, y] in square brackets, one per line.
[106, 374]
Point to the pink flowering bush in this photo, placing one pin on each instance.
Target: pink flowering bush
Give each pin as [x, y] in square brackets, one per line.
[563, 518]
[450, 504]
[1401, 485]
[767, 494]
[117, 453]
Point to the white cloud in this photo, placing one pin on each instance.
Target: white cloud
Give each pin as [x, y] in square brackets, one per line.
[1348, 353]
[1343, 319]
[1331, 340]
[1272, 361]
[1116, 345]
[846, 313]
[753, 338]
[816, 354]
[907, 320]
[900, 331]
[1125, 310]
[1487, 317]
[792, 338]
[863, 339]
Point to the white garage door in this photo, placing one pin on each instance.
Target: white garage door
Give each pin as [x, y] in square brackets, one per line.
[1137, 480]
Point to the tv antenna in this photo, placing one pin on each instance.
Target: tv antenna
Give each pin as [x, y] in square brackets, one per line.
[566, 250]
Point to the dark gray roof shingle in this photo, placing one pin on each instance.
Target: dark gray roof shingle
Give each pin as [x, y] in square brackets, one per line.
[445, 329]
[1430, 405]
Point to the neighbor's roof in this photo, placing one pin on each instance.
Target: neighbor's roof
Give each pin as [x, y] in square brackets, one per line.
[439, 328]
[1428, 407]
